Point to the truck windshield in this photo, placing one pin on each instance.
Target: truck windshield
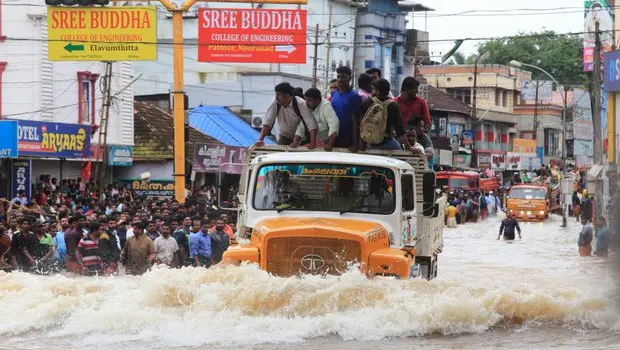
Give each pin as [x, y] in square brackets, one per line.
[528, 193]
[456, 182]
[325, 187]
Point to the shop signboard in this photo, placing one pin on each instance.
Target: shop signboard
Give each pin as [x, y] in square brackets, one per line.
[120, 155]
[484, 160]
[151, 188]
[597, 11]
[522, 161]
[461, 160]
[208, 158]
[523, 146]
[21, 174]
[498, 161]
[8, 141]
[248, 35]
[53, 140]
[468, 138]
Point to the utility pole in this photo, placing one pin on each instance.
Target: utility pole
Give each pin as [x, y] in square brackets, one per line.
[316, 55]
[103, 126]
[473, 113]
[596, 118]
[329, 47]
[535, 124]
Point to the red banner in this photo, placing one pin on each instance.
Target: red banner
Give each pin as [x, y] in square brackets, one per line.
[252, 35]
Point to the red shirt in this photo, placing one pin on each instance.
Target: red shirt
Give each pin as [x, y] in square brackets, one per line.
[418, 108]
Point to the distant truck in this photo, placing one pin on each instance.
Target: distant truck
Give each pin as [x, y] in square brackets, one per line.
[317, 212]
[466, 180]
[529, 202]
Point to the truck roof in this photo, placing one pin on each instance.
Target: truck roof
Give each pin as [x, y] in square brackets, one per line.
[332, 157]
[529, 186]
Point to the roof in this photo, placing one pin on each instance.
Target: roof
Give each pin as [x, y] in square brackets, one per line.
[332, 158]
[223, 125]
[153, 133]
[440, 101]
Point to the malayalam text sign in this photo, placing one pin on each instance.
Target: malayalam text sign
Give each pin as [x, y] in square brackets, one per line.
[252, 35]
[208, 158]
[54, 140]
[102, 33]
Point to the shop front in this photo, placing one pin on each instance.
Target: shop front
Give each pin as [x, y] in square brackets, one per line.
[218, 163]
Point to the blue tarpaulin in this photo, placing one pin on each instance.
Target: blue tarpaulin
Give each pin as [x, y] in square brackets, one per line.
[223, 125]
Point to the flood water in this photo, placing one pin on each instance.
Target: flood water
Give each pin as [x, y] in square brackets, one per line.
[536, 293]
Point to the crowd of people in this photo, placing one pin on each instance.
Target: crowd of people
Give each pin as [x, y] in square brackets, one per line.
[365, 118]
[69, 230]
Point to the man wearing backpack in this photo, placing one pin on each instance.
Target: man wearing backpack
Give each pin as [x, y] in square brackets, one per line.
[381, 117]
[289, 111]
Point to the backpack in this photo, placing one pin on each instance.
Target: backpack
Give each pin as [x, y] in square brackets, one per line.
[374, 122]
[298, 112]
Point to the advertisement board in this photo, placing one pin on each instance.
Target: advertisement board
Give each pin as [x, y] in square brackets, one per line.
[53, 140]
[597, 11]
[121, 33]
[120, 155]
[611, 66]
[461, 160]
[252, 35]
[21, 177]
[524, 146]
[209, 157]
[151, 188]
[8, 141]
[545, 90]
[468, 138]
[522, 161]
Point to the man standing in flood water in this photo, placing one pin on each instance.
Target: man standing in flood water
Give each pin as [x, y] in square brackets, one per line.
[508, 226]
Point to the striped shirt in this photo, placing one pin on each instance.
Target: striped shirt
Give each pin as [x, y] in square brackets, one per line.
[89, 250]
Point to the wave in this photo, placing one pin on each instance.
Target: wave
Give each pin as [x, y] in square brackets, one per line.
[244, 306]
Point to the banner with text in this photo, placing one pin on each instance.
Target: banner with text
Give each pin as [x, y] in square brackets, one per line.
[209, 157]
[522, 161]
[252, 35]
[497, 161]
[461, 160]
[21, 174]
[8, 141]
[121, 33]
[53, 140]
[597, 11]
[524, 146]
[120, 155]
[151, 188]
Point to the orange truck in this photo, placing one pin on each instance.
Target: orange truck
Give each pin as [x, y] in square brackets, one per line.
[317, 212]
[529, 202]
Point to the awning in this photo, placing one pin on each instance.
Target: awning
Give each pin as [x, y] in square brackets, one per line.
[223, 125]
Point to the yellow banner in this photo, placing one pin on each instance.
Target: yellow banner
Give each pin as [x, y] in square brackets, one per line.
[523, 146]
[102, 33]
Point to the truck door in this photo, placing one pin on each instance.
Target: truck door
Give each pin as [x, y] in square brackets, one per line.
[408, 220]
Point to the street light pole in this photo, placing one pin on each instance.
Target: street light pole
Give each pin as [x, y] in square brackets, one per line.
[518, 64]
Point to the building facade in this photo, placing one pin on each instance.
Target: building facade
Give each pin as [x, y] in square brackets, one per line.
[33, 89]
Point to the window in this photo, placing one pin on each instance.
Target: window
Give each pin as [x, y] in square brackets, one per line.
[516, 99]
[86, 97]
[408, 195]
[552, 143]
[528, 193]
[505, 98]
[498, 97]
[325, 187]
[2, 67]
[463, 95]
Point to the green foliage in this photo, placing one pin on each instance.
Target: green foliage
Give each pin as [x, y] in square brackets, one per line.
[560, 55]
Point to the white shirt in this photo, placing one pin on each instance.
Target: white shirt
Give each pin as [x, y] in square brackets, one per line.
[129, 233]
[287, 119]
[327, 121]
[165, 249]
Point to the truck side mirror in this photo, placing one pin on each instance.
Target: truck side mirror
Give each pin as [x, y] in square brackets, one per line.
[428, 192]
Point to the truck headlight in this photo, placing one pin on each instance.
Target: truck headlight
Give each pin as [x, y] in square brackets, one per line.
[542, 212]
[522, 212]
[529, 213]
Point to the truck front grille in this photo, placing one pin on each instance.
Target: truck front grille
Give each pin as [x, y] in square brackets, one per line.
[287, 256]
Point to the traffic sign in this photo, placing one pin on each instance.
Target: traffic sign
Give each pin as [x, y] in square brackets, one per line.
[252, 35]
[102, 33]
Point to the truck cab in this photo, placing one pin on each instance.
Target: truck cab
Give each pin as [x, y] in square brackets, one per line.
[529, 202]
[317, 212]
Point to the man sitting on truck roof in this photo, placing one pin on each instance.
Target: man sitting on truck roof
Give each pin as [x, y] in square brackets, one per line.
[325, 117]
[417, 124]
[289, 111]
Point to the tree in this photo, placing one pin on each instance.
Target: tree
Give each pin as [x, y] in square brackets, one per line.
[457, 59]
[560, 55]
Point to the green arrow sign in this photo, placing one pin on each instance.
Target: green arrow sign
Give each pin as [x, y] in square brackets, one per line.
[70, 47]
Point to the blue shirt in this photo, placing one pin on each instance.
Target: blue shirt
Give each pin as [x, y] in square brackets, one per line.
[61, 246]
[200, 245]
[347, 105]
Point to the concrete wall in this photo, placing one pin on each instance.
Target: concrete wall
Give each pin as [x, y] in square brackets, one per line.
[34, 88]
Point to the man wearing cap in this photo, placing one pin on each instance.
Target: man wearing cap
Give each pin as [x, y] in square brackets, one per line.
[289, 111]
[139, 252]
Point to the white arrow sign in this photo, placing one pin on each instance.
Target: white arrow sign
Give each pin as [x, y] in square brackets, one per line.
[285, 48]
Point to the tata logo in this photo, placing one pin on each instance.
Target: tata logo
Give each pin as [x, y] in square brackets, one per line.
[312, 262]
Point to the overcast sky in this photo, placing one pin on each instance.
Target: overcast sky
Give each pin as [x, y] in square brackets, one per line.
[494, 18]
